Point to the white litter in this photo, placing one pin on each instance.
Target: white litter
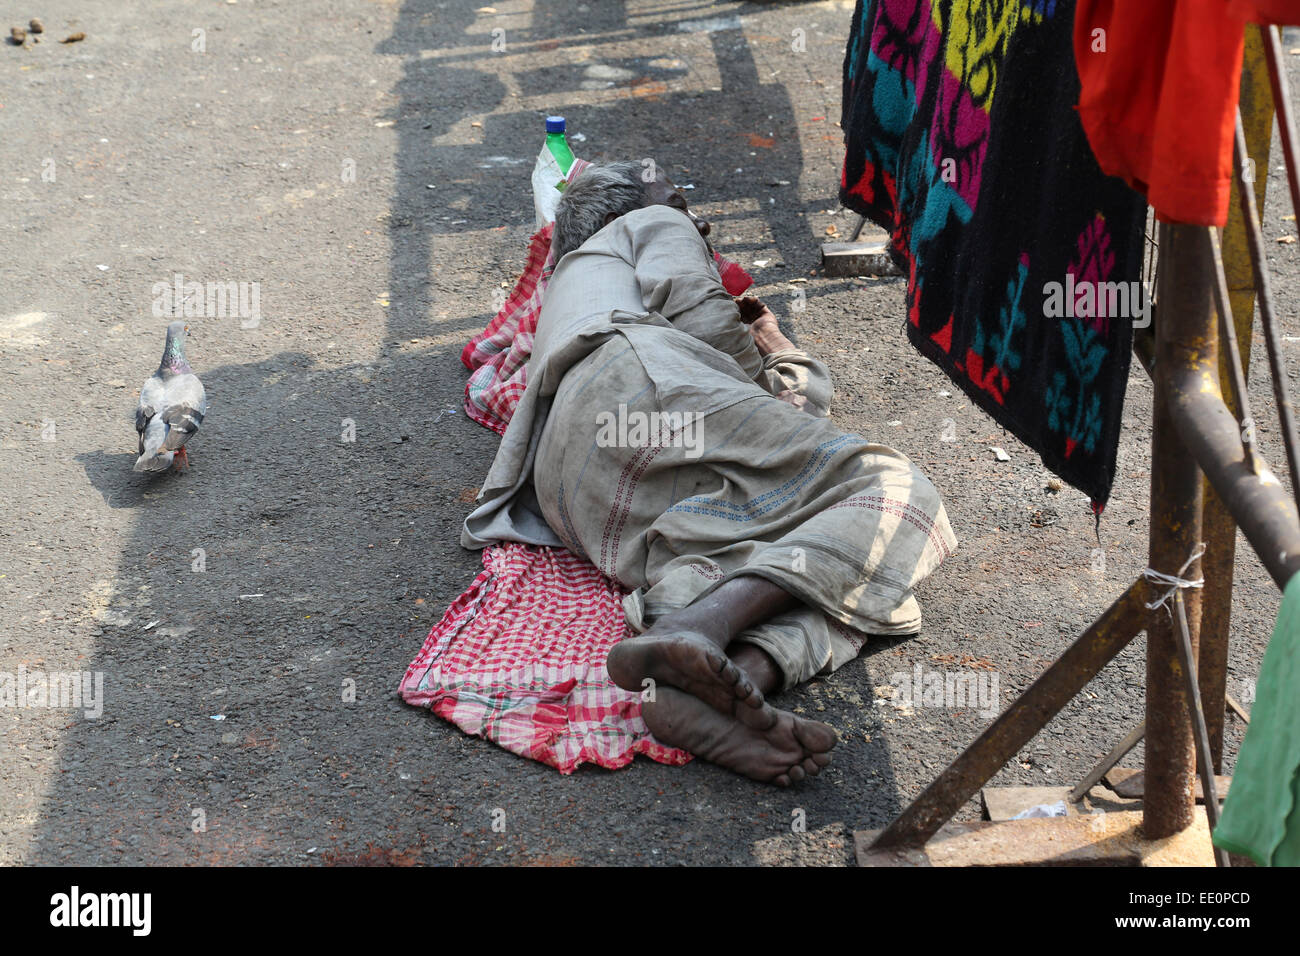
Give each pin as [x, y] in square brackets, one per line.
[711, 25]
[1056, 809]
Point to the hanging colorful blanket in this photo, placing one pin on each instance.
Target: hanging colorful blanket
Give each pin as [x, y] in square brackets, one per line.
[1023, 261]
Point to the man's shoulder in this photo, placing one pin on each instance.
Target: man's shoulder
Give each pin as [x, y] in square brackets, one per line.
[633, 227]
[652, 223]
[658, 214]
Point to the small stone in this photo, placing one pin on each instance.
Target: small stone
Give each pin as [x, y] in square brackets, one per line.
[1000, 453]
[36, 26]
[73, 38]
[17, 35]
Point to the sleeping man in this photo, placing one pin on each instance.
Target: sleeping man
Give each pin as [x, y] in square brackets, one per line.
[679, 441]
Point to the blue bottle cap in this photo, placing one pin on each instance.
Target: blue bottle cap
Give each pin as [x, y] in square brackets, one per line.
[555, 124]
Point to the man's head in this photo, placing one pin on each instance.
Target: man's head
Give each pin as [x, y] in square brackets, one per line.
[603, 192]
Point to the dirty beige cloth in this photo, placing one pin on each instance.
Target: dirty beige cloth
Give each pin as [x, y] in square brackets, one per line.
[649, 440]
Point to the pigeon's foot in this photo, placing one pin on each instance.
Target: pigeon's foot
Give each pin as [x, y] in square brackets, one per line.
[182, 458]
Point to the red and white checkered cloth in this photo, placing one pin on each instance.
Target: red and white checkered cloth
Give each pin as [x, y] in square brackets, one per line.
[519, 658]
[498, 356]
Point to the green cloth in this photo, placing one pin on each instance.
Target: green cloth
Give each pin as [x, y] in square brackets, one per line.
[1261, 817]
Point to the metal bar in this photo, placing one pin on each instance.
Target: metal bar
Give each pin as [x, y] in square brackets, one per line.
[1260, 505]
[857, 230]
[1198, 724]
[1228, 338]
[1216, 521]
[1131, 740]
[1285, 115]
[1144, 346]
[1255, 240]
[1217, 526]
[1185, 339]
[1021, 721]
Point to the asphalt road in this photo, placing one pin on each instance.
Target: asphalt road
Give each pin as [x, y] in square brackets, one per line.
[366, 164]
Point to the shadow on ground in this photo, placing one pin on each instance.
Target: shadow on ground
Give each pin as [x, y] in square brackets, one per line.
[288, 579]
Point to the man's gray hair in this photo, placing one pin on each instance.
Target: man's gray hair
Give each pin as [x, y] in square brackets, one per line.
[597, 191]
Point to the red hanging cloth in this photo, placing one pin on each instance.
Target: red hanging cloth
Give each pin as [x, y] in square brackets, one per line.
[1158, 95]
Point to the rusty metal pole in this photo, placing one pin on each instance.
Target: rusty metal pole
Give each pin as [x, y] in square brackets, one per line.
[1220, 530]
[1021, 721]
[1185, 334]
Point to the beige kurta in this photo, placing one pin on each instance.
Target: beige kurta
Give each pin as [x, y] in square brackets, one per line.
[648, 440]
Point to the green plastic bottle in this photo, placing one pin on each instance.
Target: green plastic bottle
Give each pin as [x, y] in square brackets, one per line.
[558, 146]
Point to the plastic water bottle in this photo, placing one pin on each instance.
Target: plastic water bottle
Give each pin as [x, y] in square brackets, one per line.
[551, 170]
[558, 144]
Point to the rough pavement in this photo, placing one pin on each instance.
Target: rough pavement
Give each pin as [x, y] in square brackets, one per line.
[149, 150]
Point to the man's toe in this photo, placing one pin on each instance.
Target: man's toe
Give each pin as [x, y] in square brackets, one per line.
[816, 737]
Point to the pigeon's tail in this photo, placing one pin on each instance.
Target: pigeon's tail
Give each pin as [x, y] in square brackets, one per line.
[152, 462]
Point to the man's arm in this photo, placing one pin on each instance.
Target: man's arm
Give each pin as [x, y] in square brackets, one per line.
[791, 374]
[679, 281]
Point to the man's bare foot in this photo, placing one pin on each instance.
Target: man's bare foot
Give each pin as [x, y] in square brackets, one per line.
[788, 751]
[690, 661]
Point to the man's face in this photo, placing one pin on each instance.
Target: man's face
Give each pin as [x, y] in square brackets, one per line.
[662, 192]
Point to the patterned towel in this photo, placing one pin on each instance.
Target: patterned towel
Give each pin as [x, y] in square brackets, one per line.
[519, 658]
[1023, 261]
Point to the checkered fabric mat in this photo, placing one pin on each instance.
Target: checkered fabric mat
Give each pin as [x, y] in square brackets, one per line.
[519, 658]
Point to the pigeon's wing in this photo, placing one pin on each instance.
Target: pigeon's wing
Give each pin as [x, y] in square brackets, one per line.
[143, 414]
[151, 394]
[186, 405]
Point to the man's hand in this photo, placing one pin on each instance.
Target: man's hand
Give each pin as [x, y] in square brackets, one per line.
[762, 326]
[751, 309]
[797, 400]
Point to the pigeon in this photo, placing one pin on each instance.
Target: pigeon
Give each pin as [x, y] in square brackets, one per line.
[172, 405]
